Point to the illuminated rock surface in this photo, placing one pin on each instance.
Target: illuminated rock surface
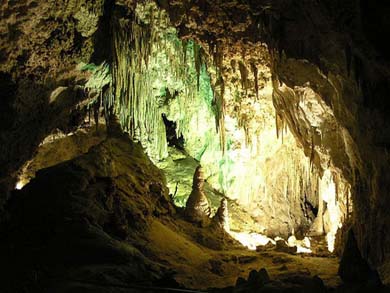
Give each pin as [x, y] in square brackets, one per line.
[197, 206]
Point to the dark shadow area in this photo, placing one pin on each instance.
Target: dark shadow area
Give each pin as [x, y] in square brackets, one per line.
[172, 138]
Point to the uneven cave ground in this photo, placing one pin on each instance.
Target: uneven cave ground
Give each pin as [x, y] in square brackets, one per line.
[101, 220]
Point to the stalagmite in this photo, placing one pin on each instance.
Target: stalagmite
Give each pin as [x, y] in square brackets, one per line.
[221, 218]
[197, 206]
[244, 75]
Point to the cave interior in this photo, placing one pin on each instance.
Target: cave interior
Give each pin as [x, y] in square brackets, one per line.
[194, 146]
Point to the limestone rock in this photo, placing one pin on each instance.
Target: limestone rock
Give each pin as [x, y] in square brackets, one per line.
[197, 206]
[282, 246]
[221, 218]
[256, 280]
[82, 216]
[317, 228]
[326, 55]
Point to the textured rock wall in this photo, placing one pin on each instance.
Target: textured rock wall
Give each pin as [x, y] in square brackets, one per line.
[350, 78]
[40, 45]
[84, 219]
[329, 51]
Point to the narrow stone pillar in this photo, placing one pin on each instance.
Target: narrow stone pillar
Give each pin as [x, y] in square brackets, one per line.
[221, 218]
[197, 206]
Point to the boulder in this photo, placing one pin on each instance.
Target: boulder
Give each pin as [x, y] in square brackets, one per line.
[282, 246]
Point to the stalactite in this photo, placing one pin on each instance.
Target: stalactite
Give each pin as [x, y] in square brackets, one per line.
[184, 48]
[312, 149]
[256, 77]
[220, 113]
[244, 75]
[144, 46]
[98, 83]
[198, 62]
[277, 124]
[233, 65]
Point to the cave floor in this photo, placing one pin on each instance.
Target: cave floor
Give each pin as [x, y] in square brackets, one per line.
[205, 265]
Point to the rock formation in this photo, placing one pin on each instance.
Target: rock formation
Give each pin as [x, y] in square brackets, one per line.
[197, 206]
[79, 211]
[353, 268]
[221, 217]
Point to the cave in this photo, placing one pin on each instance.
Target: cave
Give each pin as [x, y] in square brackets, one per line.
[194, 146]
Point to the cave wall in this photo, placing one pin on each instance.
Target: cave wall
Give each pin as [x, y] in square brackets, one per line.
[333, 50]
[41, 44]
[350, 77]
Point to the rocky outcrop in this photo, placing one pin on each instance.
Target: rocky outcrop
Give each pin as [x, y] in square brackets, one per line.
[259, 281]
[43, 39]
[41, 44]
[82, 219]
